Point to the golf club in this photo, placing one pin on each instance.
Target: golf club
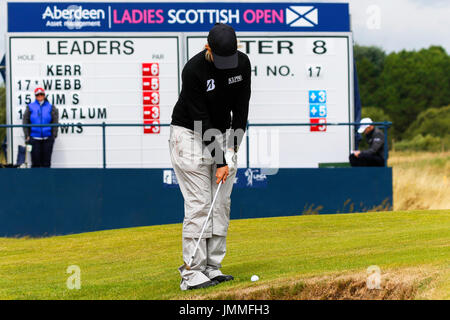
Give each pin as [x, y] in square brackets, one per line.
[188, 265]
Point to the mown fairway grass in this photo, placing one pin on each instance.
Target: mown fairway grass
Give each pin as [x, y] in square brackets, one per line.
[141, 263]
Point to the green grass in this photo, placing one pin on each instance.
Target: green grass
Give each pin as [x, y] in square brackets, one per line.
[141, 263]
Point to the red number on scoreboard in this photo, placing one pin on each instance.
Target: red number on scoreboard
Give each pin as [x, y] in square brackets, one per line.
[151, 97]
[150, 128]
[318, 128]
[151, 113]
[150, 69]
[151, 83]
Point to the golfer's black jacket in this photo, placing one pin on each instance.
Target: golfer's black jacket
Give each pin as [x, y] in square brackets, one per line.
[376, 143]
[210, 95]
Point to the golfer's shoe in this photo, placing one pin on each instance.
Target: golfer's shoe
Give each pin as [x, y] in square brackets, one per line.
[223, 278]
[203, 285]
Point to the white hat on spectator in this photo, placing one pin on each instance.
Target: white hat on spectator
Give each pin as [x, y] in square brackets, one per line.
[364, 124]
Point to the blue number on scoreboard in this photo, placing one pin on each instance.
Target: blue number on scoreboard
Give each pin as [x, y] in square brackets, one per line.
[318, 110]
[317, 96]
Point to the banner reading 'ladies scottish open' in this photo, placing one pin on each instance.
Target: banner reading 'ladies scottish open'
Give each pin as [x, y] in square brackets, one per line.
[170, 17]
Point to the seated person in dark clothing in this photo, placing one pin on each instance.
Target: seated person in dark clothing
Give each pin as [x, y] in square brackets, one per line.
[374, 156]
[41, 111]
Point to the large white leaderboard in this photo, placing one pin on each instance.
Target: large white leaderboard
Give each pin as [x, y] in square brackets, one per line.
[121, 79]
[117, 75]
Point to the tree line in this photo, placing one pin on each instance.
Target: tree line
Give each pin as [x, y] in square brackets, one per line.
[409, 88]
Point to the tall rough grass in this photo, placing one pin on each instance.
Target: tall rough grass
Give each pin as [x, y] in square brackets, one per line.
[421, 180]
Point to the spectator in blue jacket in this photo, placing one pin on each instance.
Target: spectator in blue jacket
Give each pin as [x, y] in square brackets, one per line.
[41, 139]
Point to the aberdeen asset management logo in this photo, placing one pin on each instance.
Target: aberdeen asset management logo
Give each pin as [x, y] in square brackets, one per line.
[302, 16]
[73, 17]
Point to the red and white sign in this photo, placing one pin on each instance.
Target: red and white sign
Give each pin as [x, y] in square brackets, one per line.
[151, 83]
[151, 128]
[151, 97]
[150, 69]
[151, 113]
[318, 128]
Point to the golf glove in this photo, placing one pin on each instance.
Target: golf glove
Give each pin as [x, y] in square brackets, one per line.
[231, 159]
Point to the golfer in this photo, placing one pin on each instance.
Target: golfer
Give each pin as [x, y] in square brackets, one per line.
[208, 124]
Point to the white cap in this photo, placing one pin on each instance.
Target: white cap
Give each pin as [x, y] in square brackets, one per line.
[365, 123]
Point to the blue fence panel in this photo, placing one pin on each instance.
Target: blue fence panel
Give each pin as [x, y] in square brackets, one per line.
[44, 202]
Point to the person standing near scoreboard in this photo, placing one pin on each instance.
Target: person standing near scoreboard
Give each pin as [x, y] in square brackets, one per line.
[208, 124]
[41, 111]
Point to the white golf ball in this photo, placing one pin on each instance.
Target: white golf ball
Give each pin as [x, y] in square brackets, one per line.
[254, 278]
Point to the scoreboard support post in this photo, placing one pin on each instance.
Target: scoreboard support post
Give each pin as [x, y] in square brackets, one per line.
[104, 144]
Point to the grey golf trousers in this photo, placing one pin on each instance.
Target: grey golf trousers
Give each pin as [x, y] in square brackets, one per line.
[196, 174]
